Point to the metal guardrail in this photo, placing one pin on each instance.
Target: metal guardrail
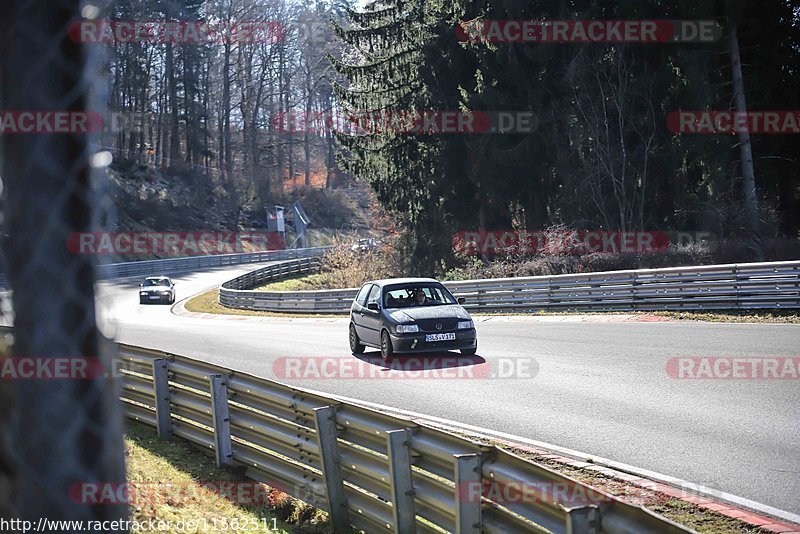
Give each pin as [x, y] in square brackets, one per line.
[172, 265]
[773, 285]
[367, 469]
[152, 267]
[237, 293]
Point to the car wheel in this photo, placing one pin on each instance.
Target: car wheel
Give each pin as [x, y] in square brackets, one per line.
[172, 301]
[386, 345]
[355, 344]
[470, 352]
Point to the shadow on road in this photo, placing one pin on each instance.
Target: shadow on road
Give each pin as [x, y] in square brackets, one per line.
[420, 362]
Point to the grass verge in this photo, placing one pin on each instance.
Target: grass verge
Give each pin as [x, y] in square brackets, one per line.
[301, 282]
[744, 316]
[209, 303]
[154, 463]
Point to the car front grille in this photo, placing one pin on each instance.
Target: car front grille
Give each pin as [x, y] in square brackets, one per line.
[429, 325]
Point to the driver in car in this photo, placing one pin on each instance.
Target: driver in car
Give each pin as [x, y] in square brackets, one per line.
[419, 297]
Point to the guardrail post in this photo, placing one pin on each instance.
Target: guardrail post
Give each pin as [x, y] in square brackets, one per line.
[583, 520]
[325, 419]
[161, 396]
[398, 445]
[221, 419]
[468, 493]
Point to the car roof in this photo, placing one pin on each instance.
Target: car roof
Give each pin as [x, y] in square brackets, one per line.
[157, 278]
[398, 281]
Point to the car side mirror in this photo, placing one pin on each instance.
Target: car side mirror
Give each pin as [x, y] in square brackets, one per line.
[141, 285]
[372, 306]
[461, 300]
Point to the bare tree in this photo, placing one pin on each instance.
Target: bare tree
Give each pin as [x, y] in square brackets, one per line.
[613, 133]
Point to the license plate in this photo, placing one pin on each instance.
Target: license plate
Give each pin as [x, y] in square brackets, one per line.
[440, 337]
[154, 297]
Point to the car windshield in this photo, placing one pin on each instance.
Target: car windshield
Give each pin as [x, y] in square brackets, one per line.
[414, 295]
[156, 282]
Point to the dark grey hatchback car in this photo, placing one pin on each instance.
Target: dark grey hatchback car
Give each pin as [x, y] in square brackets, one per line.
[408, 315]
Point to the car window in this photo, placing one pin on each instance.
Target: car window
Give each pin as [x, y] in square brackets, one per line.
[155, 282]
[396, 298]
[361, 298]
[404, 296]
[373, 295]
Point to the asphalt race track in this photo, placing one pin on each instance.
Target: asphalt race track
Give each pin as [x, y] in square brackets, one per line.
[601, 388]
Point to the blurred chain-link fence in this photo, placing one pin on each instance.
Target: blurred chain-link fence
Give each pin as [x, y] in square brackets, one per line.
[55, 432]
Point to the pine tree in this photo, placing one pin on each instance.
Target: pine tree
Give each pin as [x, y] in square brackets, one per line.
[383, 80]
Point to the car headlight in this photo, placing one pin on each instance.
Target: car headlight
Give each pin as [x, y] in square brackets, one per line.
[143, 292]
[407, 328]
[463, 325]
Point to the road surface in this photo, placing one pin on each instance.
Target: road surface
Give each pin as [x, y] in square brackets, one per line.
[600, 388]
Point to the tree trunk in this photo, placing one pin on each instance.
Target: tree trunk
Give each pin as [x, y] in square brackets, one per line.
[745, 146]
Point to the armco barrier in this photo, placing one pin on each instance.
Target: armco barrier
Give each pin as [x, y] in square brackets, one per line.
[710, 287]
[171, 265]
[237, 293]
[369, 470]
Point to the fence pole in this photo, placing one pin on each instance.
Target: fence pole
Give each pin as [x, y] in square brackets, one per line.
[222, 420]
[583, 520]
[327, 434]
[468, 493]
[162, 398]
[398, 444]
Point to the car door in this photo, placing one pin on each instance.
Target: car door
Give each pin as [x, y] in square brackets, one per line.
[371, 319]
[359, 307]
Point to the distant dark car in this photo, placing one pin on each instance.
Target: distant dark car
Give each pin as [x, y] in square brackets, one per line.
[157, 289]
[406, 315]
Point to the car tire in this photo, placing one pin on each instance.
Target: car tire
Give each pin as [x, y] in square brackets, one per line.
[355, 344]
[470, 352]
[386, 345]
[172, 301]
